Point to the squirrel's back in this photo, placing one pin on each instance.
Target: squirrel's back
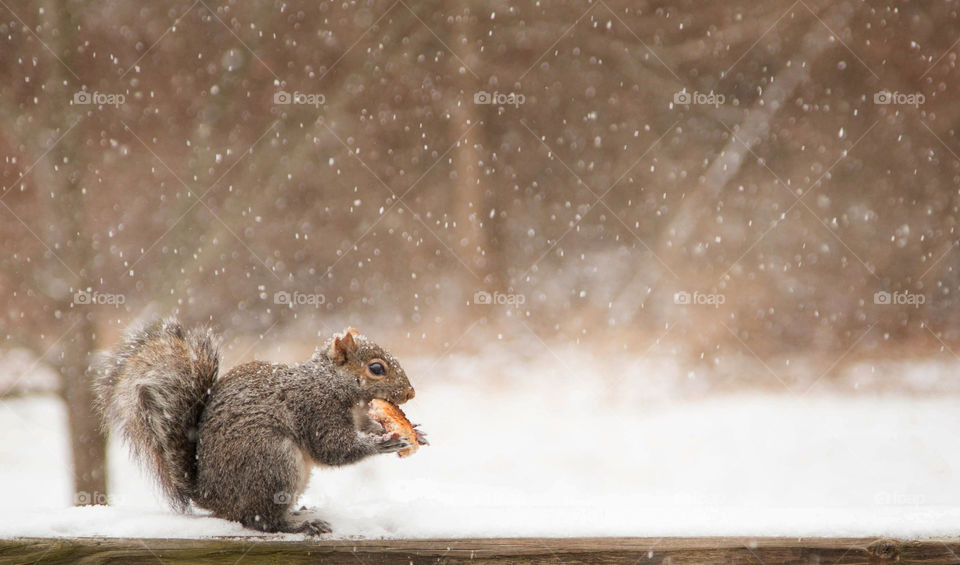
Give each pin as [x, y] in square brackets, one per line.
[152, 389]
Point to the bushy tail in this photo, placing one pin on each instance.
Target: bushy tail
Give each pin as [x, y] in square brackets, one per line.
[152, 389]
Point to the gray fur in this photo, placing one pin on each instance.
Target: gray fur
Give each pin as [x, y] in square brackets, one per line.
[242, 445]
[152, 390]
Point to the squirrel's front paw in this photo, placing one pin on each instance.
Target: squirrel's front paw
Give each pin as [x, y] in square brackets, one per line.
[421, 436]
[391, 443]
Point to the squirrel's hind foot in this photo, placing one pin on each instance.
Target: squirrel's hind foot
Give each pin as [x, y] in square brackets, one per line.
[308, 526]
[313, 528]
[305, 521]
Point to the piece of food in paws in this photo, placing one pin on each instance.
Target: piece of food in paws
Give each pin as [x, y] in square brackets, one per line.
[394, 421]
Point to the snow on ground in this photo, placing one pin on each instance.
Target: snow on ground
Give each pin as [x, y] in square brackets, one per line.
[547, 455]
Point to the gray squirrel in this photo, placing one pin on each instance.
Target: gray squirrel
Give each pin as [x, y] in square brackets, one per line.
[242, 444]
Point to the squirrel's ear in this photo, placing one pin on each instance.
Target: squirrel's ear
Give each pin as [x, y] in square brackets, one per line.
[342, 347]
[352, 331]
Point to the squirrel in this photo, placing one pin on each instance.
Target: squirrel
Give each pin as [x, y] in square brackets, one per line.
[242, 444]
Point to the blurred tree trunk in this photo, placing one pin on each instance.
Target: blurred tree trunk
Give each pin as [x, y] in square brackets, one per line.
[66, 212]
[87, 442]
[471, 203]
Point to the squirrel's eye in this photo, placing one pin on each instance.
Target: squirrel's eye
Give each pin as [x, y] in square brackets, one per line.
[376, 368]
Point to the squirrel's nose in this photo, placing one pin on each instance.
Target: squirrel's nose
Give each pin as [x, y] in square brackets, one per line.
[411, 393]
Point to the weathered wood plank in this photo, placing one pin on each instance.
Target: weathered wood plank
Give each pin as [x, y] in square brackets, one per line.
[667, 551]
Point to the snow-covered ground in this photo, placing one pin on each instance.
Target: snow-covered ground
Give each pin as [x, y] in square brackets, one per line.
[553, 456]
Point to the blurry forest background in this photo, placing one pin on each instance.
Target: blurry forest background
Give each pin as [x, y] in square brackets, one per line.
[152, 165]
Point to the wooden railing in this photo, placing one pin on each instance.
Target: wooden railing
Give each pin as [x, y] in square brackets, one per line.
[671, 551]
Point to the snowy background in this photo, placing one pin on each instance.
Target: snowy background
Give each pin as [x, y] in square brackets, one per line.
[654, 268]
[529, 458]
